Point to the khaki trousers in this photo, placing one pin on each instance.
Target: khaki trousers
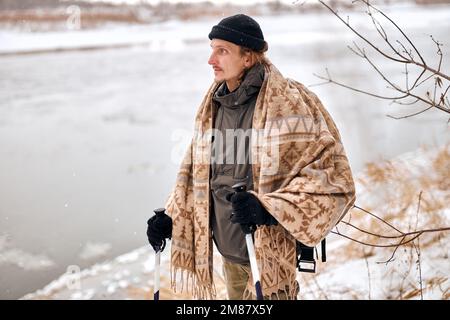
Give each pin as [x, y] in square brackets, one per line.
[236, 277]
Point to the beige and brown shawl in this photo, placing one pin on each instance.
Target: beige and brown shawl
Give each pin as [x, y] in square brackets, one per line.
[301, 175]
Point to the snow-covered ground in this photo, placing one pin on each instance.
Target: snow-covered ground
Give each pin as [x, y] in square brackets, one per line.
[89, 139]
[411, 193]
[129, 276]
[352, 271]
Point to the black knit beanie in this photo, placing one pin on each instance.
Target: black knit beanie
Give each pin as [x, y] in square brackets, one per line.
[241, 30]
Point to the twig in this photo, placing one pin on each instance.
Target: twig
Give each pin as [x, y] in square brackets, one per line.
[361, 36]
[320, 289]
[397, 27]
[376, 217]
[411, 115]
[406, 237]
[418, 249]
[437, 99]
[368, 275]
[329, 80]
[371, 233]
[381, 245]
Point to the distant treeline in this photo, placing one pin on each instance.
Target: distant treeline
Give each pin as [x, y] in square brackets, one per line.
[53, 14]
[34, 4]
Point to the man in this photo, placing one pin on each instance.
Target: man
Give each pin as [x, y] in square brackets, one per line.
[257, 127]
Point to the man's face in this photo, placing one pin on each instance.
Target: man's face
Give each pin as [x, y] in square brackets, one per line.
[227, 61]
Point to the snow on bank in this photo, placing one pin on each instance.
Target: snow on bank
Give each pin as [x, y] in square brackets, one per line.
[22, 259]
[388, 188]
[411, 193]
[129, 276]
[93, 250]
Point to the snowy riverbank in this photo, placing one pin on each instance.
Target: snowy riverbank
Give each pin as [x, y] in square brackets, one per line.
[390, 189]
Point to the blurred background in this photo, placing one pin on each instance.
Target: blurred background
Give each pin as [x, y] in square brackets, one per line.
[97, 100]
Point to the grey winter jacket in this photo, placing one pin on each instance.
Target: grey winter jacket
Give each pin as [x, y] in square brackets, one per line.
[232, 111]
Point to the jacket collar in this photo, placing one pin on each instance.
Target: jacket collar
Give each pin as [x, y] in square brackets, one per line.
[250, 86]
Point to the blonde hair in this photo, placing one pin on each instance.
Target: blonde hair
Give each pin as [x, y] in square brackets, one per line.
[256, 56]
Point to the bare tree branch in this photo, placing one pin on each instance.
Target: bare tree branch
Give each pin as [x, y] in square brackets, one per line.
[436, 99]
[392, 245]
[347, 23]
[329, 80]
[417, 248]
[410, 115]
[404, 237]
[367, 2]
[377, 217]
[405, 103]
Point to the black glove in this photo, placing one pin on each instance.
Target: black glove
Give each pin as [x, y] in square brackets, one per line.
[248, 211]
[159, 227]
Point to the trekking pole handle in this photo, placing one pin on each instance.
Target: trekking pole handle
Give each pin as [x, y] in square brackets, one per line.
[159, 212]
[242, 187]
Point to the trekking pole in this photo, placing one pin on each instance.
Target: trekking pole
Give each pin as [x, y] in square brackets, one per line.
[158, 250]
[156, 280]
[242, 187]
